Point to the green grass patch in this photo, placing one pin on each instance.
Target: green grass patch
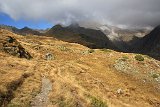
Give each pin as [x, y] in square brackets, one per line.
[155, 75]
[96, 102]
[139, 58]
[63, 102]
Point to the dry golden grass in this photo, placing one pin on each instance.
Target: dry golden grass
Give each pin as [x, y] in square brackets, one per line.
[79, 78]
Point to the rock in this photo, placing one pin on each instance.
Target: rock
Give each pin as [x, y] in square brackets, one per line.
[120, 91]
[125, 67]
[49, 56]
[11, 46]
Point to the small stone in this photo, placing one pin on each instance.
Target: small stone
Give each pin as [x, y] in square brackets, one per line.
[49, 56]
[119, 91]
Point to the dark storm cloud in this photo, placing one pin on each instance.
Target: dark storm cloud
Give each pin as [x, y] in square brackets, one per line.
[116, 12]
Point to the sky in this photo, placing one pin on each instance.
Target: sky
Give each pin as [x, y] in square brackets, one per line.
[46, 13]
[7, 20]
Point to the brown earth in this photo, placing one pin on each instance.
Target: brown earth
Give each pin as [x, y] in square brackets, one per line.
[80, 77]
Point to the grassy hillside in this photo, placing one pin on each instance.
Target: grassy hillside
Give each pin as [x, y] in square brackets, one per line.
[63, 74]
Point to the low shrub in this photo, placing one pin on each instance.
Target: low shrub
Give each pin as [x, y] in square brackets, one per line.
[97, 103]
[63, 48]
[124, 58]
[139, 58]
[155, 75]
[91, 51]
[106, 50]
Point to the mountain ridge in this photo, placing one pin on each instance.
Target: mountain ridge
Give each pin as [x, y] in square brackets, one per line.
[123, 40]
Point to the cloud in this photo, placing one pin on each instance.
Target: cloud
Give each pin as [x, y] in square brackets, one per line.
[116, 12]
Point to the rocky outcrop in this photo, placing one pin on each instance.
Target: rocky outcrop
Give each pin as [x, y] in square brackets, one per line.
[11, 46]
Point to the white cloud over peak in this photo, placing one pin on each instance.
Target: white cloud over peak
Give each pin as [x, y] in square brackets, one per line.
[116, 12]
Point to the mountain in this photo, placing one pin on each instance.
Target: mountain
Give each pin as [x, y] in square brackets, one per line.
[101, 36]
[10, 28]
[23, 31]
[123, 38]
[88, 37]
[150, 43]
[27, 30]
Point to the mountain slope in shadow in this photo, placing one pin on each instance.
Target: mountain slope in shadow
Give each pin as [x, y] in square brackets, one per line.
[27, 30]
[150, 44]
[84, 36]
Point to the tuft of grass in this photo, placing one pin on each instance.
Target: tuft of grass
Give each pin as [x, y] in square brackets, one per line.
[154, 75]
[106, 50]
[64, 102]
[14, 105]
[63, 48]
[148, 57]
[124, 58]
[91, 51]
[139, 58]
[96, 102]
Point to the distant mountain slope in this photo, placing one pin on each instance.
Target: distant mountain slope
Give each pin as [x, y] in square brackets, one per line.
[9, 28]
[85, 36]
[151, 42]
[105, 36]
[23, 31]
[27, 30]
[123, 38]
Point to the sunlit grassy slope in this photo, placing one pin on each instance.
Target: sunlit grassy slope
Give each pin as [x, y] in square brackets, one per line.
[80, 77]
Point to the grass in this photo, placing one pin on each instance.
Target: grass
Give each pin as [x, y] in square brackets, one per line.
[139, 58]
[91, 51]
[124, 58]
[155, 75]
[25, 93]
[148, 57]
[106, 50]
[14, 105]
[63, 48]
[96, 102]
[99, 80]
[63, 102]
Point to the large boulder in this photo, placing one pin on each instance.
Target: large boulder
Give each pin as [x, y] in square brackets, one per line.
[11, 46]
